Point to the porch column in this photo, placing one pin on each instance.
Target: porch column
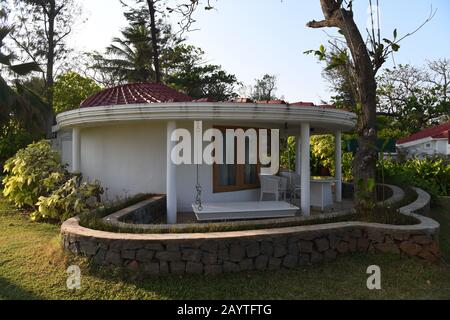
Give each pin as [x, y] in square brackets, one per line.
[305, 170]
[171, 180]
[338, 164]
[298, 159]
[76, 149]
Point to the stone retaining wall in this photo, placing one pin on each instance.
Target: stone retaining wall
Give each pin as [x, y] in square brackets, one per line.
[267, 249]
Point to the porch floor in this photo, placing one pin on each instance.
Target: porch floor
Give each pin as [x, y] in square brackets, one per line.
[345, 205]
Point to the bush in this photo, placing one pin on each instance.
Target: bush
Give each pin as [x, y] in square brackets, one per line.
[36, 180]
[429, 174]
[33, 172]
[72, 198]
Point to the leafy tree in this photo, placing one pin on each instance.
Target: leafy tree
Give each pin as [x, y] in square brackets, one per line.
[71, 89]
[23, 113]
[264, 88]
[42, 27]
[186, 72]
[364, 61]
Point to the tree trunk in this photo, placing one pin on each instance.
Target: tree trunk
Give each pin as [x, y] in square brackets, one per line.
[49, 81]
[364, 166]
[154, 35]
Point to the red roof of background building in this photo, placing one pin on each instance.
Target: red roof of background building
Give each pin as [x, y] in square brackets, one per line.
[144, 93]
[135, 93]
[441, 131]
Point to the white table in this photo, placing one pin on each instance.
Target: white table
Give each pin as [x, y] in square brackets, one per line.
[321, 192]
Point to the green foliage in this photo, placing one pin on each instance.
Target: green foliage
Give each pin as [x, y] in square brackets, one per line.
[12, 139]
[71, 198]
[429, 174]
[36, 180]
[33, 172]
[71, 89]
[186, 71]
[322, 156]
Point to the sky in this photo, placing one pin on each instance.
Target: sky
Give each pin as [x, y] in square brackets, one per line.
[250, 38]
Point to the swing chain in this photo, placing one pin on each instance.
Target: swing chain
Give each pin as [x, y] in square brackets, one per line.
[198, 196]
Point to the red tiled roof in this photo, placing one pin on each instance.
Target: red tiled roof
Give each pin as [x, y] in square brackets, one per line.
[303, 104]
[143, 93]
[441, 131]
[135, 93]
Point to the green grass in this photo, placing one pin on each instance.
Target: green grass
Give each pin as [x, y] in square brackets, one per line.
[32, 266]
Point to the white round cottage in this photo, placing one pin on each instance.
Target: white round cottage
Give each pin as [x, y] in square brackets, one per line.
[122, 137]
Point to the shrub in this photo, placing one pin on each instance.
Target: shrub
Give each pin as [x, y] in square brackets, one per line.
[36, 180]
[33, 172]
[429, 174]
[70, 199]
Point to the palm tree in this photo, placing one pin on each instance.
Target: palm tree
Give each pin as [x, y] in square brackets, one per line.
[129, 58]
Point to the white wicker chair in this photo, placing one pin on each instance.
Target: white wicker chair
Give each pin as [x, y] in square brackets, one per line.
[273, 185]
[294, 182]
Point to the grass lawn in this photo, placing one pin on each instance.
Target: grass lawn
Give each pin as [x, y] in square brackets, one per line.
[32, 266]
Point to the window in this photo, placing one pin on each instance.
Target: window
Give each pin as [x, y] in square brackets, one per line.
[428, 146]
[235, 177]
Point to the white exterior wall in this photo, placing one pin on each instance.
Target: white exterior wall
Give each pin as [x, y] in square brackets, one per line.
[436, 146]
[129, 159]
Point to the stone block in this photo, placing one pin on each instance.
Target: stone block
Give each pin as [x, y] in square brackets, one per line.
[144, 255]
[152, 268]
[237, 252]
[231, 267]
[113, 257]
[193, 255]
[305, 246]
[213, 269]
[261, 262]
[177, 267]
[322, 244]
[274, 264]
[253, 250]
[247, 264]
[128, 254]
[194, 268]
[316, 257]
[170, 256]
[267, 248]
[290, 261]
[279, 250]
[209, 258]
[410, 248]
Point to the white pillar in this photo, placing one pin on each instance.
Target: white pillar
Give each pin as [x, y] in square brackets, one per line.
[305, 170]
[338, 164]
[298, 159]
[76, 150]
[171, 180]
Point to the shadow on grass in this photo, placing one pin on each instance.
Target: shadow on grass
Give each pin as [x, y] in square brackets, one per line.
[10, 291]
